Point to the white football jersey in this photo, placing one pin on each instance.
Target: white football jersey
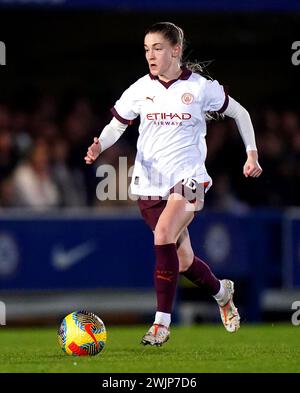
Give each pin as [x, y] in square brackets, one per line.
[171, 144]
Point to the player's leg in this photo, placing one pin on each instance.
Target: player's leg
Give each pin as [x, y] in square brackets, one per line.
[173, 219]
[201, 275]
[193, 267]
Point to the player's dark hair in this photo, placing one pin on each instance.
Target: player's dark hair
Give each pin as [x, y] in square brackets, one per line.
[170, 31]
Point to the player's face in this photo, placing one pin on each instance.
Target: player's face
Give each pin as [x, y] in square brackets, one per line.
[160, 54]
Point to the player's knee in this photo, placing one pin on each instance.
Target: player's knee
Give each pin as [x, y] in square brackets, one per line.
[163, 235]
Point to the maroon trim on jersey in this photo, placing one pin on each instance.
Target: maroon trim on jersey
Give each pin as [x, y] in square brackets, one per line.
[186, 73]
[120, 118]
[226, 101]
[225, 105]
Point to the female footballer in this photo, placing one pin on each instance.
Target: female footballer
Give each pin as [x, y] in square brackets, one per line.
[169, 174]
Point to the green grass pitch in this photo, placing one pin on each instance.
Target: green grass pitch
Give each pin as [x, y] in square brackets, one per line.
[195, 349]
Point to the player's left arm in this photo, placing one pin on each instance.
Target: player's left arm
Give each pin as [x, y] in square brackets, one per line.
[245, 127]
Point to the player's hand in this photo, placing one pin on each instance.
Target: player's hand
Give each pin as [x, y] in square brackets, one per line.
[252, 167]
[93, 152]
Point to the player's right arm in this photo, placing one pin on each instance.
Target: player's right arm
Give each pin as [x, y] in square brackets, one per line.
[110, 134]
[126, 109]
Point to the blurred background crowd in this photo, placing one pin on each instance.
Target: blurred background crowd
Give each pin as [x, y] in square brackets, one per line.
[43, 141]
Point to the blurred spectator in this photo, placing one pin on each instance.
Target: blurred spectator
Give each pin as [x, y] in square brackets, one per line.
[69, 182]
[8, 153]
[20, 126]
[5, 117]
[6, 192]
[223, 198]
[290, 123]
[33, 183]
[271, 121]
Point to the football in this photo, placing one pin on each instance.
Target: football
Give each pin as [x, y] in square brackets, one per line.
[82, 333]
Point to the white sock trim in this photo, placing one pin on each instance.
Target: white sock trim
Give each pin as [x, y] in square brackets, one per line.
[220, 295]
[162, 318]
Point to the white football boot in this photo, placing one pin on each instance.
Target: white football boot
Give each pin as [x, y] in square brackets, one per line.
[156, 335]
[229, 313]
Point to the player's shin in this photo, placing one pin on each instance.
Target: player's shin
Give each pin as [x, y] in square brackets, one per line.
[166, 279]
[166, 276]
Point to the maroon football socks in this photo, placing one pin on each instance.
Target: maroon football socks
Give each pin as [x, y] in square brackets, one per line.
[201, 275]
[166, 276]
[167, 272]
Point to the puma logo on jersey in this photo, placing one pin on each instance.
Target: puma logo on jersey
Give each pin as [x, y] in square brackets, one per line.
[151, 99]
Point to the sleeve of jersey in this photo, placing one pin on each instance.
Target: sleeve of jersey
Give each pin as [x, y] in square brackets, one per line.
[215, 97]
[243, 122]
[126, 108]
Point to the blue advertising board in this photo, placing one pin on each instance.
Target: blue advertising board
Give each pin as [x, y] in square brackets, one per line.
[75, 253]
[102, 252]
[291, 249]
